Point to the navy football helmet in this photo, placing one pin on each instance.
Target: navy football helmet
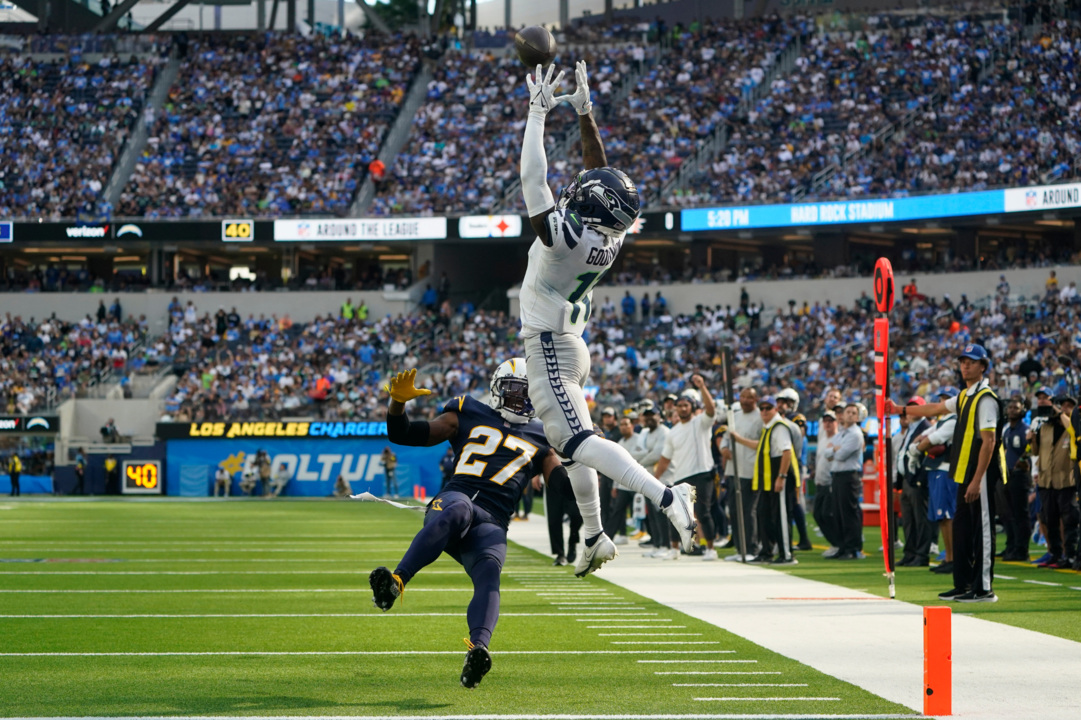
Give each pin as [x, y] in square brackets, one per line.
[604, 198]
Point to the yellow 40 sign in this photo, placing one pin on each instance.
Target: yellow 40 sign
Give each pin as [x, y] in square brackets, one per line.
[142, 477]
[237, 230]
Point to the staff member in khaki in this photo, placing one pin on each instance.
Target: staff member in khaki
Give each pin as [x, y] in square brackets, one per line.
[687, 449]
[976, 462]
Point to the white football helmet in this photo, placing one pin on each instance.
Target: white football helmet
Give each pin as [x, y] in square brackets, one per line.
[510, 391]
[791, 396]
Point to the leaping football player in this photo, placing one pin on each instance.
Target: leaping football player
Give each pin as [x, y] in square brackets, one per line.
[498, 448]
[578, 239]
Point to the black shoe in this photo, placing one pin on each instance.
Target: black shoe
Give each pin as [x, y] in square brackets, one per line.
[478, 661]
[761, 560]
[977, 597]
[804, 545]
[386, 587]
[921, 562]
[844, 556]
[907, 562]
[952, 594]
[572, 555]
[560, 561]
[945, 568]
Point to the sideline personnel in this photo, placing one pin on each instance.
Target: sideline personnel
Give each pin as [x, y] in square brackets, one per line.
[976, 462]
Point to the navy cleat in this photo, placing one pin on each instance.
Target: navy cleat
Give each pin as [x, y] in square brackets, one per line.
[386, 588]
[478, 661]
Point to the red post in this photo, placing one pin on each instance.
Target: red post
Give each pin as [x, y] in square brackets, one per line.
[937, 661]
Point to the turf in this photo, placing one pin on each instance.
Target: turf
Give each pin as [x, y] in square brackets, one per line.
[311, 559]
[1033, 598]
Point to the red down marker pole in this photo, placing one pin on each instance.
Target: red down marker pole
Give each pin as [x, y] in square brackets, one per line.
[884, 303]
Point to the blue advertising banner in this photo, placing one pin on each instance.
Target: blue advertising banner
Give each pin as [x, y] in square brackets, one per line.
[927, 207]
[313, 465]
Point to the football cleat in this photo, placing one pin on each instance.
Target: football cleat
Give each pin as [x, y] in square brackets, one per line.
[386, 588]
[593, 557]
[681, 513]
[478, 661]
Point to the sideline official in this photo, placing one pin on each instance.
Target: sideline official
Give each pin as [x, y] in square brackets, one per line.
[976, 462]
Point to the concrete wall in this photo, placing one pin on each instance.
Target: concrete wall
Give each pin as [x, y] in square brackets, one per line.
[682, 298]
[134, 418]
[301, 306]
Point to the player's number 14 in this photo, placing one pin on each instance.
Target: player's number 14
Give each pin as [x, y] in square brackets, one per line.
[580, 297]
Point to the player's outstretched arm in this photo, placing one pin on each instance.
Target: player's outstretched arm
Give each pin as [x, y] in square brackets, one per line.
[592, 148]
[534, 166]
[551, 466]
[418, 433]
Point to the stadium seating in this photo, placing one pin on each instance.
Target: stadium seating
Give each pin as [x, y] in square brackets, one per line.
[63, 124]
[270, 125]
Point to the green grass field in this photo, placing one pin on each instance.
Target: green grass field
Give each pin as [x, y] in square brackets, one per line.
[263, 608]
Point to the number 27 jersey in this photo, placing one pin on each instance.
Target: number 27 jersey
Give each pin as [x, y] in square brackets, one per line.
[493, 459]
[557, 293]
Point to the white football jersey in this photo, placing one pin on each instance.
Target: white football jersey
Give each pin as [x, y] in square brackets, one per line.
[557, 293]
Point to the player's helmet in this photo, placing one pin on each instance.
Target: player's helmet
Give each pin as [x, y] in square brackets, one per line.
[604, 198]
[791, 396]
[510, 391]
[692, 396]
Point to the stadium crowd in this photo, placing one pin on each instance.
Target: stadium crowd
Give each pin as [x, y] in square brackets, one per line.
[270, 125]
[463, 151]
[43, 362]
[335, 366]
[63, 124]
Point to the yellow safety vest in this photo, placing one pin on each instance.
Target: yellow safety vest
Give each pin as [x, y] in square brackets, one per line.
[763, 462]
[967, 440]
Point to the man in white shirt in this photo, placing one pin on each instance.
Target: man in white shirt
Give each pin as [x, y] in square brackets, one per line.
[281, 479]
[222, 481]
[937, 444]
[653, 436]
[687, 450]
[747, 422]
[824, 512]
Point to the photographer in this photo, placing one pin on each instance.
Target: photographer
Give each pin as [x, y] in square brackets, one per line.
[1053, 443]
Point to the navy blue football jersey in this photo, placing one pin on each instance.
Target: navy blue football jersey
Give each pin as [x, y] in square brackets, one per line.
[493, 459]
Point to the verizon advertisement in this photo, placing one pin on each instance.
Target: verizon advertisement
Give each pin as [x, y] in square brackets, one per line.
[360, 229]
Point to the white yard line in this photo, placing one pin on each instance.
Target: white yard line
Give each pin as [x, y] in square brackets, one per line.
[684, 716]
[887, 659]
[329, 652]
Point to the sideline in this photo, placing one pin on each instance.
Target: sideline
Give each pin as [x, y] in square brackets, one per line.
[1000, 672]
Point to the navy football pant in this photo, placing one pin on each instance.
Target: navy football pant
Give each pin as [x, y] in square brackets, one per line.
[470, 535]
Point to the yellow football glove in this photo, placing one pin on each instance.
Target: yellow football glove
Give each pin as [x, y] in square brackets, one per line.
[401, 387]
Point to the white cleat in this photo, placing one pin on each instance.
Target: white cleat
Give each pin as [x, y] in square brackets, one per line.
[593, 557]
[681, 513]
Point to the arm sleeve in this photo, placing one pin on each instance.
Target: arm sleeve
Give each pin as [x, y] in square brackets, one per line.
[669, 447]
[401, 431]
[850, 445]
[943, 433]
[781, 440]
[654, 447]
[534, 168]
[951, 405]
[987, 413]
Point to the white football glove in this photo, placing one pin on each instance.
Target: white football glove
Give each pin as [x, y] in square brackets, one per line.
[542, 91]
[580, 98]
[914, 453]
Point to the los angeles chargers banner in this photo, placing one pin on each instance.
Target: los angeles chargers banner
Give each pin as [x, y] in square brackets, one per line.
[313, 465]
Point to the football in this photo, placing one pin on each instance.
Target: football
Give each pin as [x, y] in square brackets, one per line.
[535, 46]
